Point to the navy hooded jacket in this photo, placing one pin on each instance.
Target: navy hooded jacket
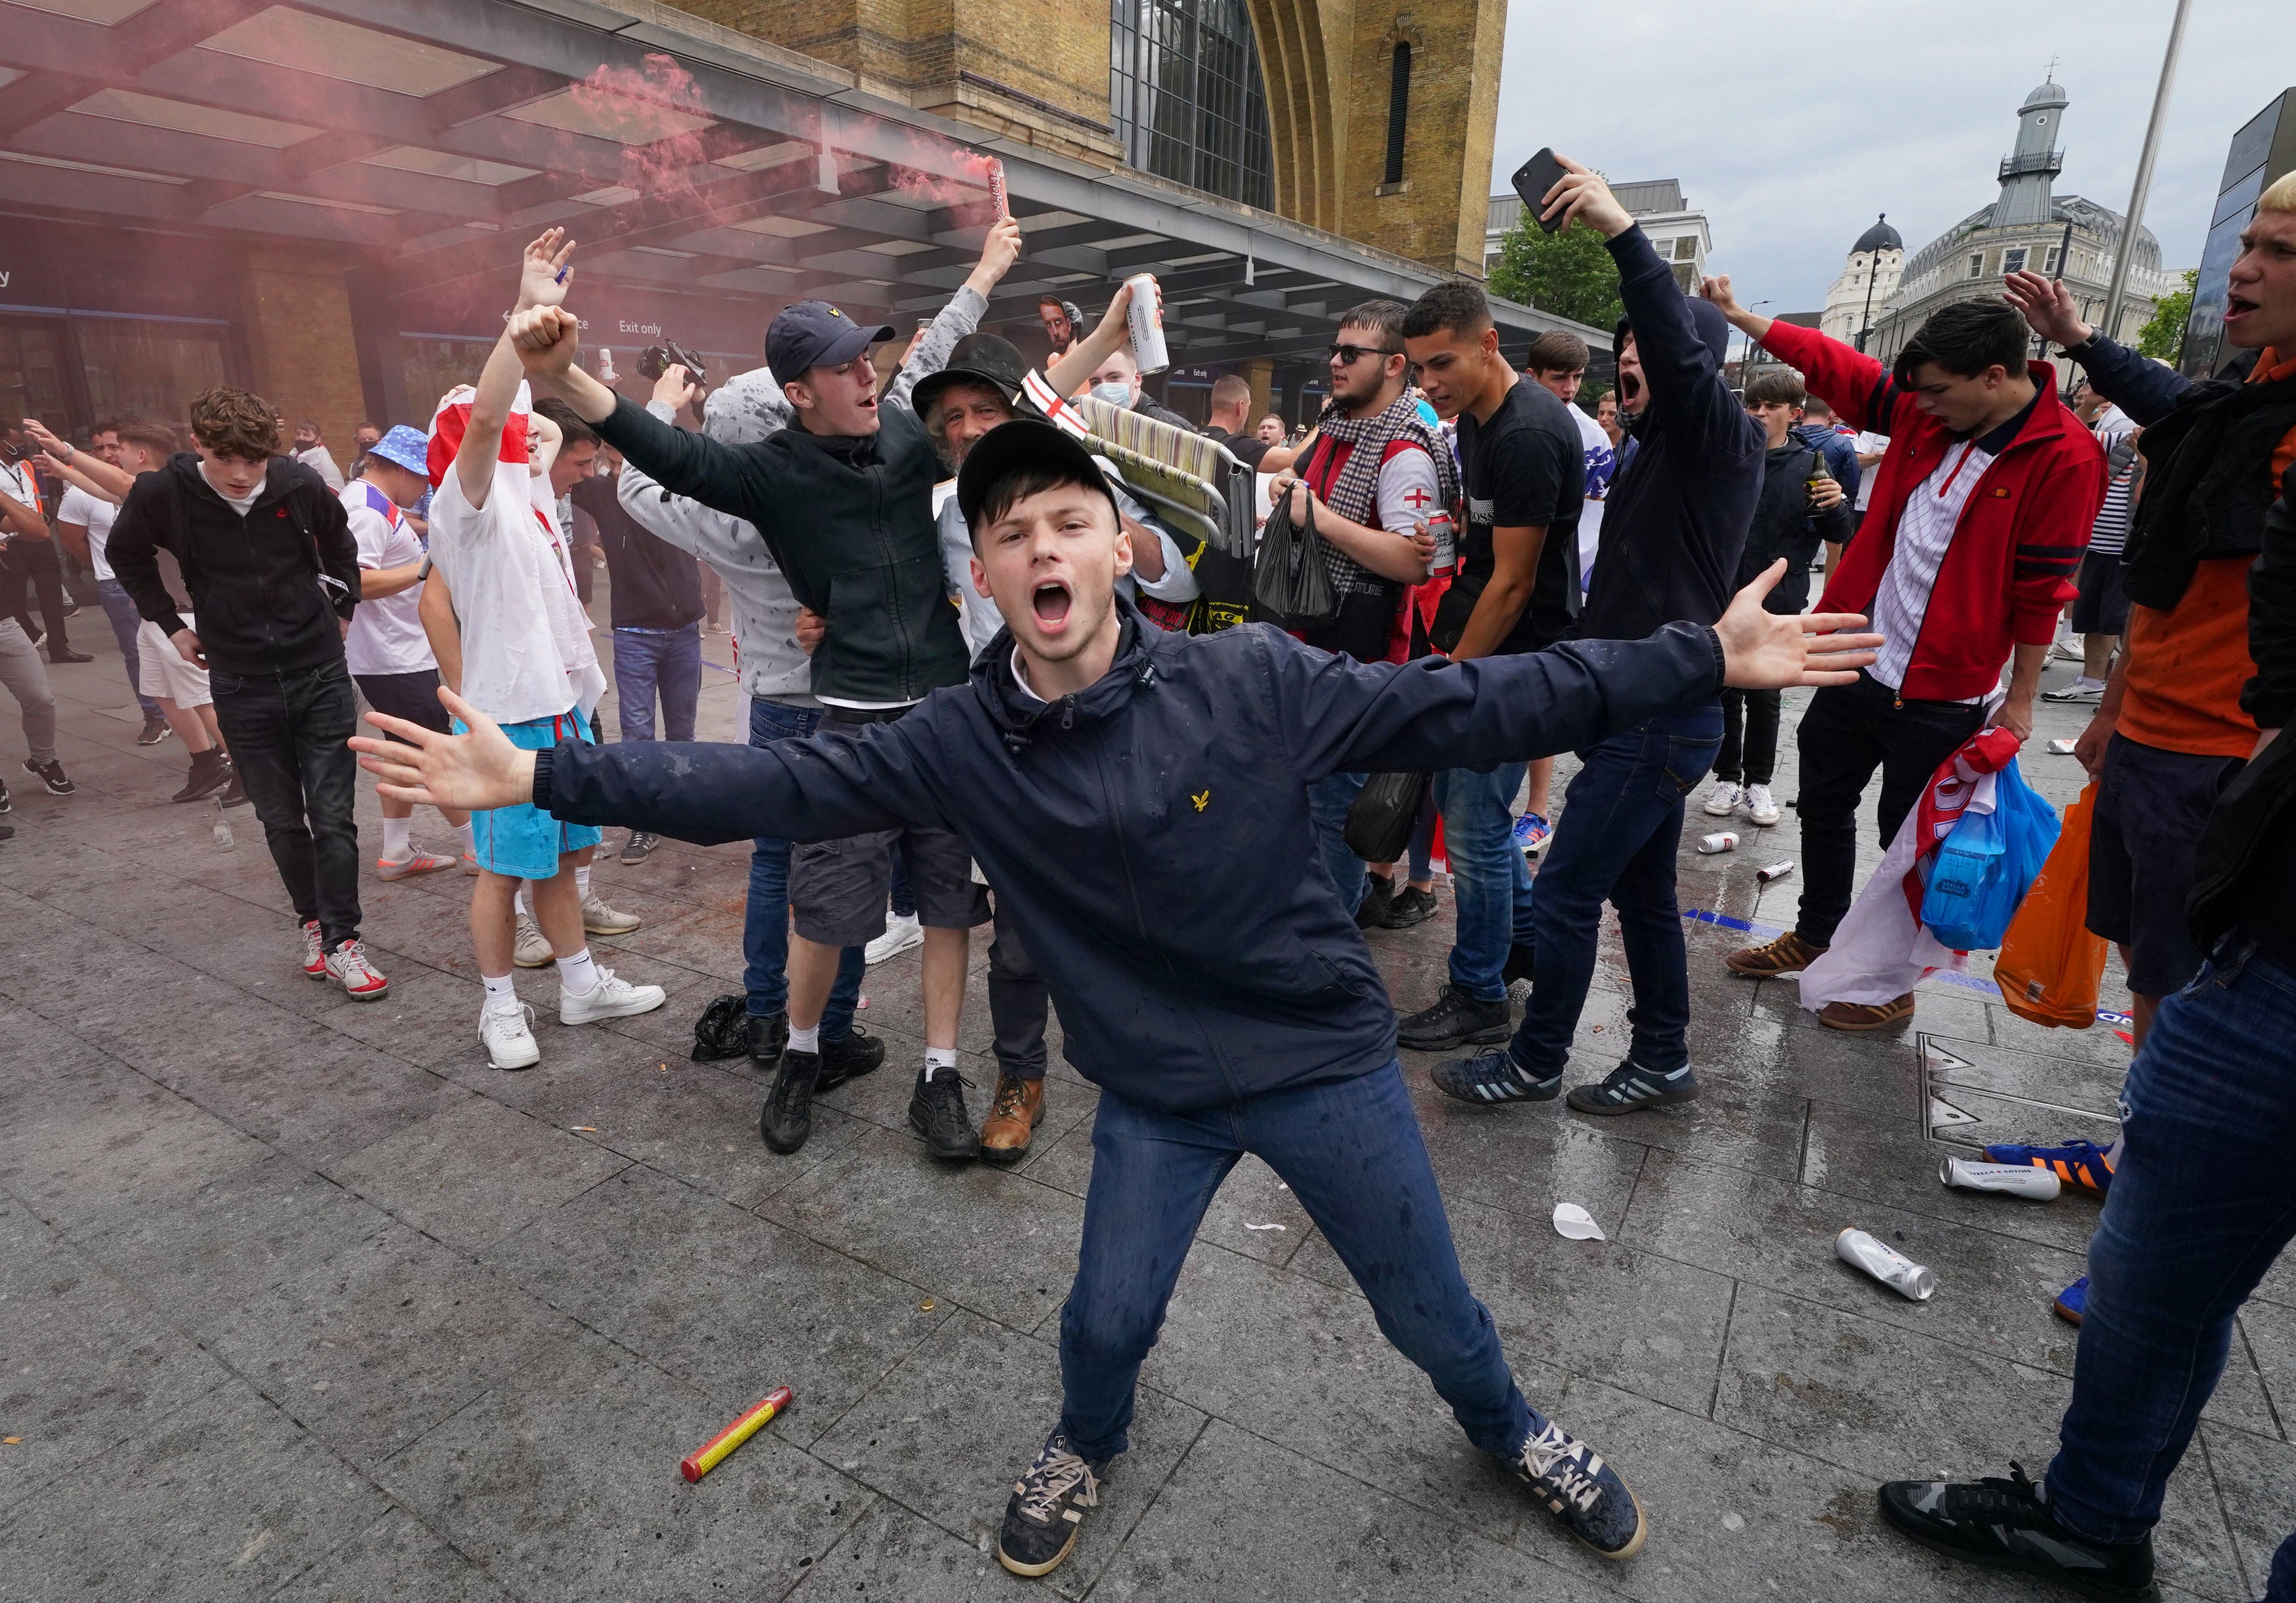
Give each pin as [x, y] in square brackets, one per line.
[1151, 833]
[1675, 520]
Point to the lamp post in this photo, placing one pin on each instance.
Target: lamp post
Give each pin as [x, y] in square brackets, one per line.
[1746, 352]
[2122, 257]
[1873, 262]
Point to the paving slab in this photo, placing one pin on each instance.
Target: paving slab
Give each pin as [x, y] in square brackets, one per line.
[397, 1560]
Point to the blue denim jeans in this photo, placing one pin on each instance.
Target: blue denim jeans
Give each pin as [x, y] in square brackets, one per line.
[120, 613]
[1328, 800]
[765, 930]
[1352, 1154]
[647, 662]
[1620, 828]
[2203, 1202]
[1490, 881]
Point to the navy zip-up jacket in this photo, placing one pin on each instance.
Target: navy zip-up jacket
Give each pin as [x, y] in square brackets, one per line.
[1152, 832]
[1675, 520]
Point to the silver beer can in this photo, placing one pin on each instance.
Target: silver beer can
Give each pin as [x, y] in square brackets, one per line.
[1146, 321]
[1886, 1264]
[1722, 840]
[2011, 1179]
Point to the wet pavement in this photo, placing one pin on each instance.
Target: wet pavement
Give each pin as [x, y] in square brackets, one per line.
[299, 1300]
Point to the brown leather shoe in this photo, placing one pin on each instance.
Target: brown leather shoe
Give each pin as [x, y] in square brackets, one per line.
[1789, 954]
[1867, 1016]
[1013, 1118]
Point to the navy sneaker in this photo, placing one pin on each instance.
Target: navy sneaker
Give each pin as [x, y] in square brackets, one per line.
[1586, 1495]
[2007, 1525]
[1493, 1076]
[1454, 1019]
[1046, 1509]
[1630, 1088]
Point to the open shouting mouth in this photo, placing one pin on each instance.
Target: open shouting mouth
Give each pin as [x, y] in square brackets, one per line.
[1050, 601]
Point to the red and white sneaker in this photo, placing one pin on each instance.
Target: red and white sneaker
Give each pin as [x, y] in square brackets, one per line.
[417, 861]
[314, 953]
[470, 864]
[347, 964]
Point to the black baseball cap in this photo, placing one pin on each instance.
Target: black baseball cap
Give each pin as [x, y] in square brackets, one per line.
[1019, 445]
[976, 359]
[814, 333]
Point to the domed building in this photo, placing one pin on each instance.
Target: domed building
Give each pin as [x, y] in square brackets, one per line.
[2026, 227]
[1869, 277]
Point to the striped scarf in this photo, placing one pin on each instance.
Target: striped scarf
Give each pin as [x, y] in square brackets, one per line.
[1354, 491]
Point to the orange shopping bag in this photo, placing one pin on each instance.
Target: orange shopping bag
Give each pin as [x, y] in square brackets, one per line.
[2050, 965]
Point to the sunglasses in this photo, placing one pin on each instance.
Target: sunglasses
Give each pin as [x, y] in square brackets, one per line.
[1347, 356]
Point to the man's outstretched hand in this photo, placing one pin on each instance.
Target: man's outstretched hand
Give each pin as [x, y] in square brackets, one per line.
[478, 771]
[2048, 307]
[1770, 650]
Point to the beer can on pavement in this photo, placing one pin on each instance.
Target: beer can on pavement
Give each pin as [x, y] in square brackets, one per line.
[1724, 840]
[1447, 544]
[1886, 1264]
[1774, 871]
[2013, 1179]
[1146, 319]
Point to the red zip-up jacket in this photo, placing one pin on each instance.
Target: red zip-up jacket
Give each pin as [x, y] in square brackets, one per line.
[2009, 569]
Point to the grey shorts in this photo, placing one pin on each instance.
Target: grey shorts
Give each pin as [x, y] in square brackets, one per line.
[838, 889]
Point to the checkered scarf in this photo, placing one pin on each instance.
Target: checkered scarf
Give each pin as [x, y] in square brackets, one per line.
[1354, 492]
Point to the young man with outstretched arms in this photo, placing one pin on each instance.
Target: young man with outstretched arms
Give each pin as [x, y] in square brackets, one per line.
[1208, 977]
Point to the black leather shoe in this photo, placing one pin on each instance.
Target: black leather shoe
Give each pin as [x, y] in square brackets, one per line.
[768, 1037]
[788, 1117]
[937, 1112]
[2004, 1526]
[849, 1058]
[1378, 896]
[65, 653]
[1456, 1020]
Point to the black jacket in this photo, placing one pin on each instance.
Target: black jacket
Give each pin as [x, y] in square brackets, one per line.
[268, 590]
[1784, 525]
[851, 523]
[656, 585]
[1675, 520]
[1152, 832]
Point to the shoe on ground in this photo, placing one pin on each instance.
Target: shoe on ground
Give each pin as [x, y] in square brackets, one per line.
[1761, 807]
[1046, 1509]
[1492, 1075]
[900, 934]
[613, 996]
[1860, 1016]
[1789, 954]
[768, 1038]
[2006, 1525]
[51, 776]
[2067, 650]
[849, 1056]
[635, 850]
[415, 861]
[506, 1032]
[787, 1118]
[1013, 1114]
[1379, 895]
[2081, 1164]
[155, 731]
[5, 803]
[314, 953]
[1631, 1088]
[599, 919]
[2072, 1302]
[2082, 689]
[937, 1112]
[1587, 1497]
[530, 948]
[211, 772]
[470, 864]
[235, 794]
[1724, 799]
[65, 653]
[1530, 834]
[1411, 906]
[1454, 1019]
[349, 967]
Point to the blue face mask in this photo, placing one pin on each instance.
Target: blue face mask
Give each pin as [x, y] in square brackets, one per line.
[1116, 393]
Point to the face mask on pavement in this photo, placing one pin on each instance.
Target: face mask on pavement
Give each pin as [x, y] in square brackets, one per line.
[1118, 394]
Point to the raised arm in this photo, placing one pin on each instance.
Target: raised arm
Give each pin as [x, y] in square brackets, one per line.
[961, 316]
[90, 473]
[1067, 374]
[1858, 388]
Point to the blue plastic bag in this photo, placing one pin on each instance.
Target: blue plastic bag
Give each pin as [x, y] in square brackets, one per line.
[1986, 865]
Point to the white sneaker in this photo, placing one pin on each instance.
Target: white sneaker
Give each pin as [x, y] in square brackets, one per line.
[613, 996]
[900, 934]
[599, 919]
[2067, 650]
[1759, 805]
[1724, 799]
[2082, 689]
[532, 948]
[509, 1043]
[348, 966]
[314, 953]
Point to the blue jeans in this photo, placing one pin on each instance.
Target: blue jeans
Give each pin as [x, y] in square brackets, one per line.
[1620, 829]
[1351, 1153]
[121, 613]
[2203, 1202]
[1328, 800]
[1490, 881]
[669, 662]
[765, 929]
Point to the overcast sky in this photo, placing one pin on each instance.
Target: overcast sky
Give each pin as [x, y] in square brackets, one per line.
[1793, 125]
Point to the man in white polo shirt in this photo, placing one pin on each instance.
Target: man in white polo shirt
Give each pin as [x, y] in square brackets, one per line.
[84, 524]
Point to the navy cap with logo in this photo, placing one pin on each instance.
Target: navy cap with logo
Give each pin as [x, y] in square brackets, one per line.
[1024, 445]
[814, 333]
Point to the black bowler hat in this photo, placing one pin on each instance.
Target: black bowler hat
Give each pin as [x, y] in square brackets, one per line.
[1025, 442]
[814, 333]
[975, 360]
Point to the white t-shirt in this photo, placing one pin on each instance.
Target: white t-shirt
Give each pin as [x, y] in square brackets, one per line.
[1868, 445]
[1924, 530]
[385, 635]
[322, 462]
[526, 640]
[95, 514]
[1601, 462]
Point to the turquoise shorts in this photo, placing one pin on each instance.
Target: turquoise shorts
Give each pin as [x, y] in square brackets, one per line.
[524, 841]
